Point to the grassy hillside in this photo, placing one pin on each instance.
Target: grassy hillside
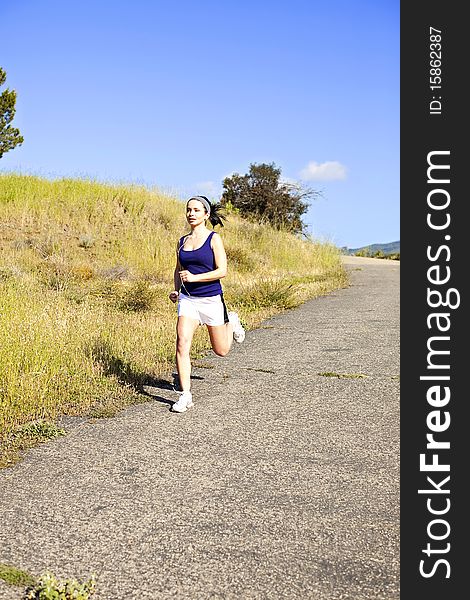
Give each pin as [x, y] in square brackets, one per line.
[85, 273]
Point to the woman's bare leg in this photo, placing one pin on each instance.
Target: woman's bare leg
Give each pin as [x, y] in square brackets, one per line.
[221, 337]
[185, 329]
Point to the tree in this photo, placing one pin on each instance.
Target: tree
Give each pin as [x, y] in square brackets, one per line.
[264, 197]
[9, 136]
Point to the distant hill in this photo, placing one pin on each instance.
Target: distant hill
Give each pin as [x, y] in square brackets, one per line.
[388, 248]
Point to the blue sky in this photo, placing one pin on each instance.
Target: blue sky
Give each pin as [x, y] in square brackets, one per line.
[179, 95]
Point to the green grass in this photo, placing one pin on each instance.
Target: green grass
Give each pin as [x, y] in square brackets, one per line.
[85, 273]
[44, 430]
[17, 577]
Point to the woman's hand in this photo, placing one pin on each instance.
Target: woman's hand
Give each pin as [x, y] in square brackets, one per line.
[173, 296]
[187, 276]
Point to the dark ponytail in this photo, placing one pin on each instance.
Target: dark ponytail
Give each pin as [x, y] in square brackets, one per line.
[216, 216]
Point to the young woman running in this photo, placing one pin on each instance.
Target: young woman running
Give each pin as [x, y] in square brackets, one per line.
[201, 263]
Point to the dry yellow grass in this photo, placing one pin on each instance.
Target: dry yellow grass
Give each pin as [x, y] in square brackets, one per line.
[85, 273]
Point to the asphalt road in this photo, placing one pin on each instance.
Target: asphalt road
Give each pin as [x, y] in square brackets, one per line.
[280, 483]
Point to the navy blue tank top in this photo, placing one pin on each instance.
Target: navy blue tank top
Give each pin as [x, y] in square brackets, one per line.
[197, 261]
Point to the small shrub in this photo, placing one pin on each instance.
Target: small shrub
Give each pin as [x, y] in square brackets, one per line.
[49, 587]
[44, 430]
[240, 259]
[166, 221]
[46, 248]
[86, 241]
[365, 252]
[23, 244]
[82, 272]
[9, 272]
[13, 576]
[116, 273]
[139, 297]
[55, 273]
[268, 293]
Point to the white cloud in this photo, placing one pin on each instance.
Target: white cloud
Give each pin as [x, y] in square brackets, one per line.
[327, 171]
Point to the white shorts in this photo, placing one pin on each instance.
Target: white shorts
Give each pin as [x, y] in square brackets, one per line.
[208, 310]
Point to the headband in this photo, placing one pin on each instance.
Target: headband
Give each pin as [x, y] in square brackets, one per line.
[203, 201]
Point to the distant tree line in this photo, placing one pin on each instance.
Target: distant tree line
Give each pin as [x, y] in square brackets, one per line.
[377, 254]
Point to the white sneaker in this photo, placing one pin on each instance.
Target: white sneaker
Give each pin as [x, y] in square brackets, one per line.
[185, 402]
[238, 331]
